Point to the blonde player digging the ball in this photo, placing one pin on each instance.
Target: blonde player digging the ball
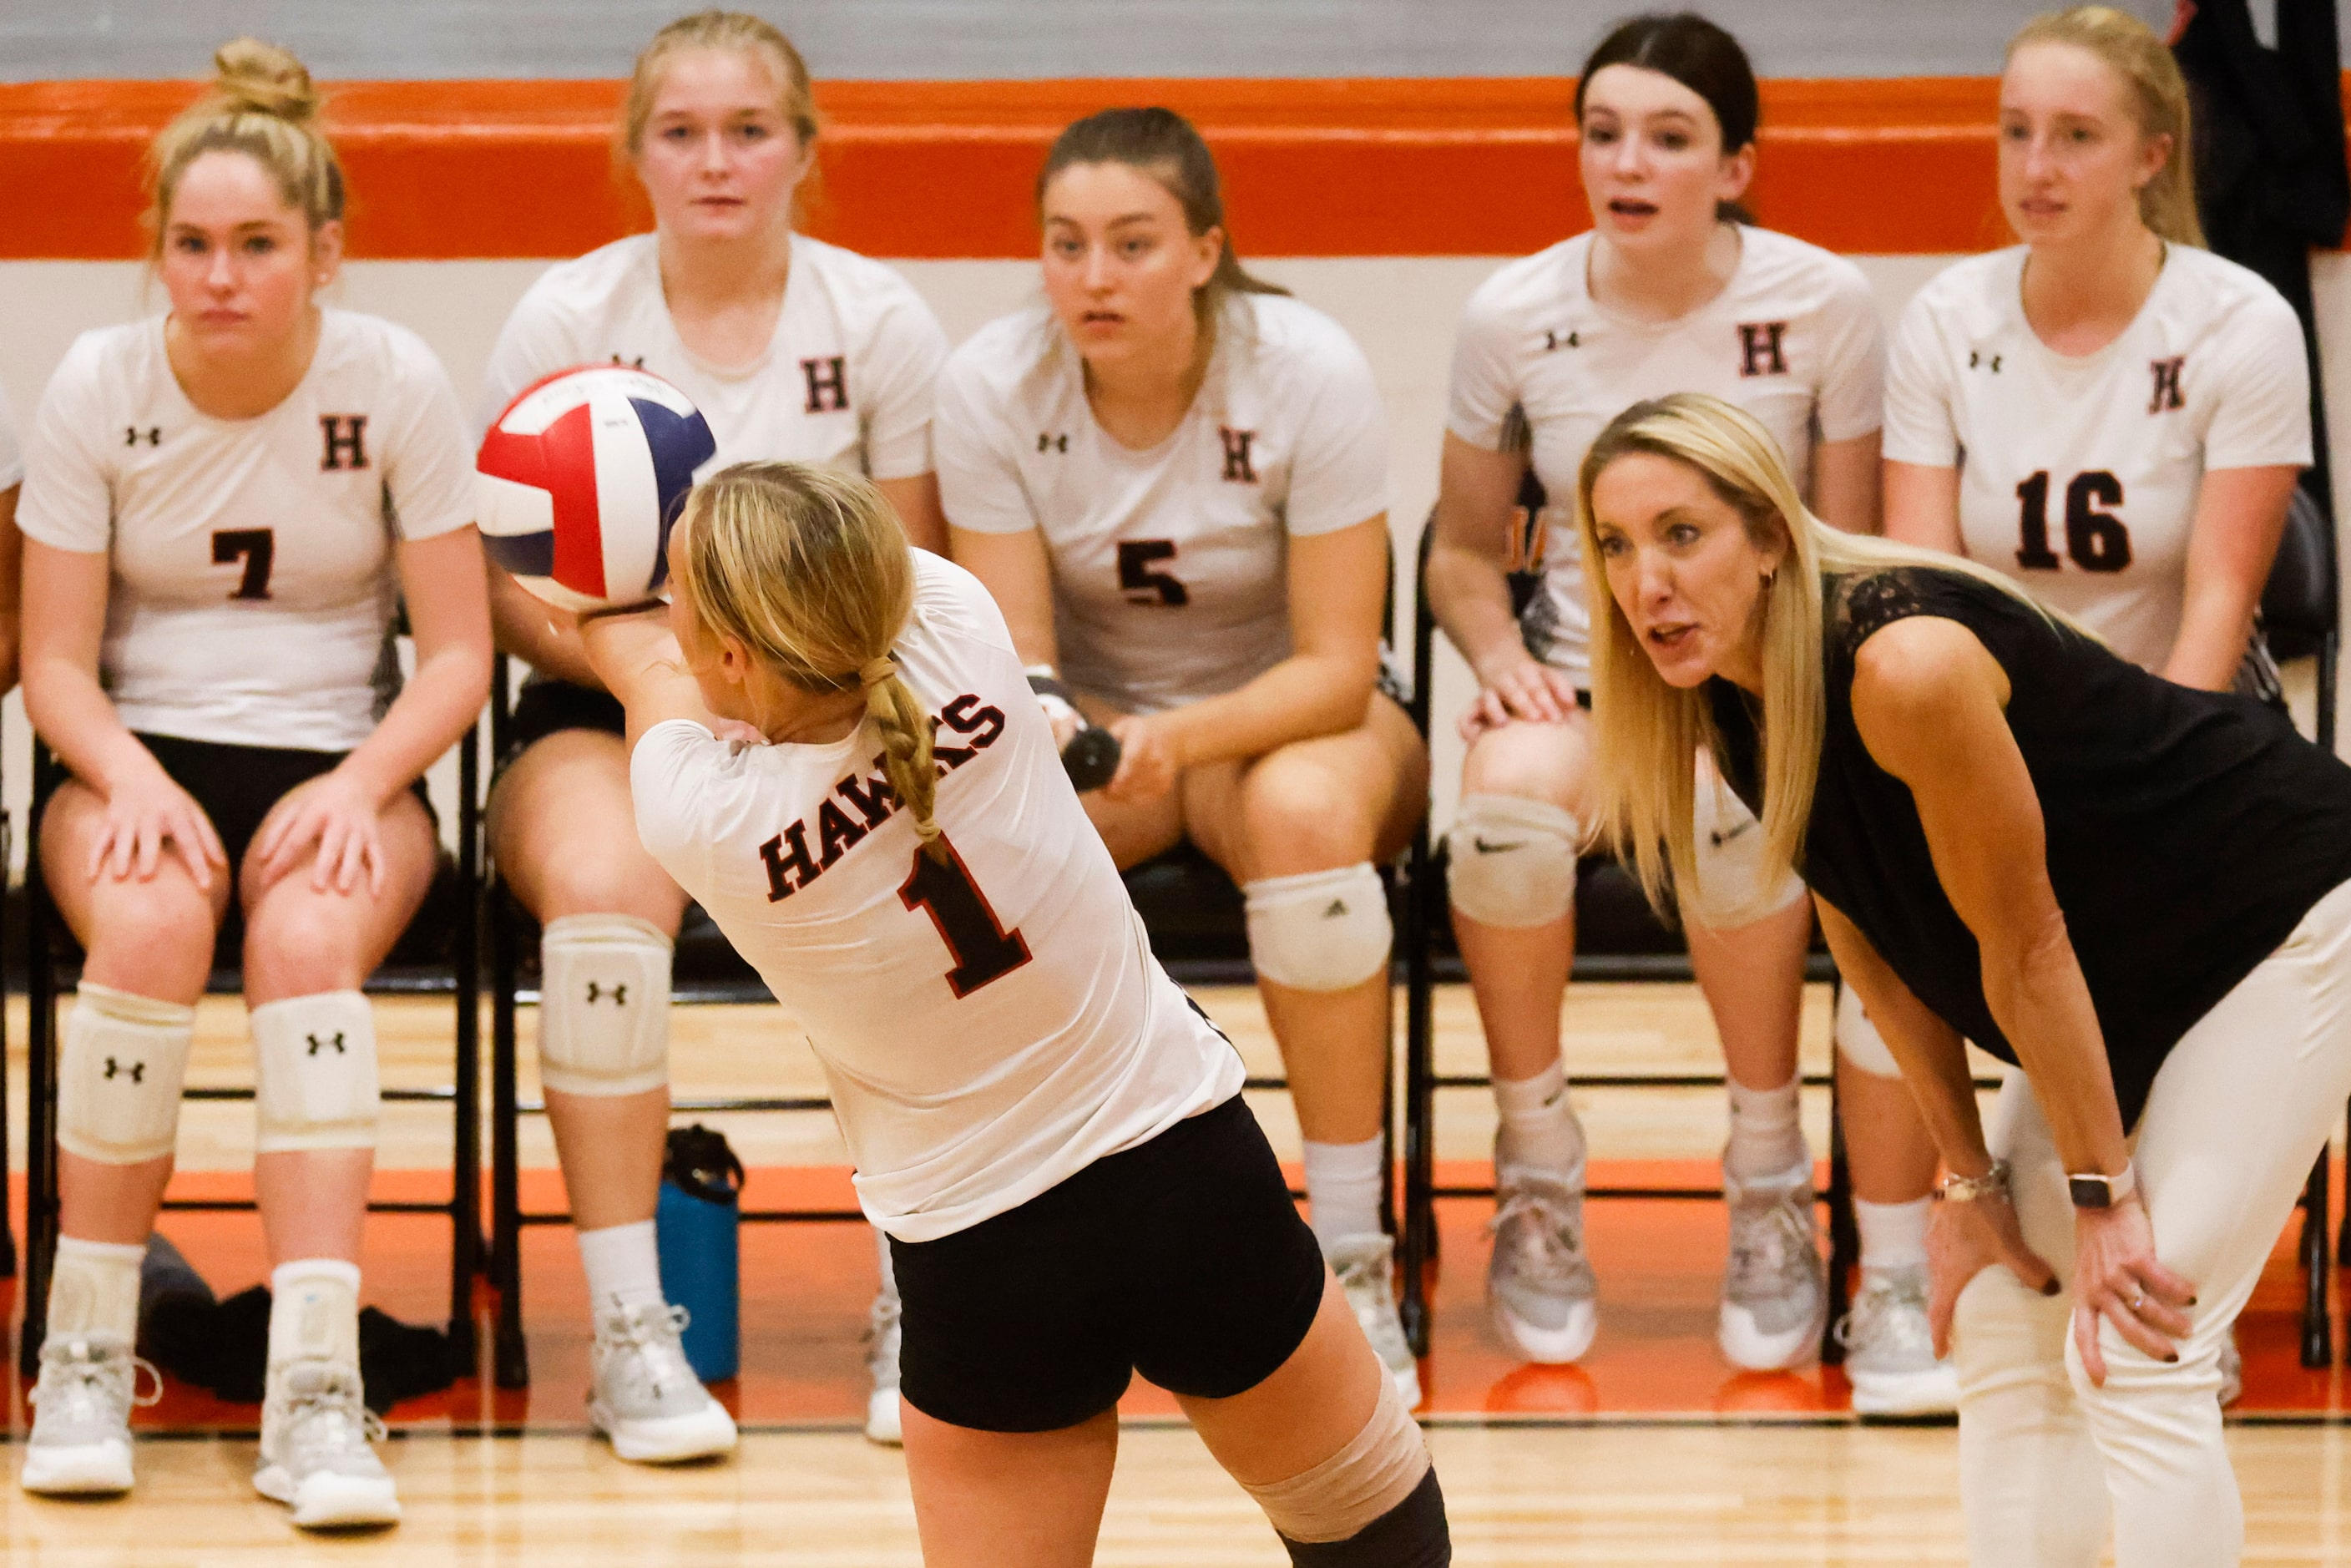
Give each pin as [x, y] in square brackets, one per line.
[1173, 480]
[222, 506]
[1051, 1135]
[2136, 892]
[791, 349]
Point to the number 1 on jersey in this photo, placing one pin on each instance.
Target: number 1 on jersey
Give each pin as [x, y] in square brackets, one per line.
[983, 950]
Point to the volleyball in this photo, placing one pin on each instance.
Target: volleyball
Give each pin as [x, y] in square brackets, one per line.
[579, 479]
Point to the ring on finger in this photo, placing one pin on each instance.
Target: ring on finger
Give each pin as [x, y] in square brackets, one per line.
[2138, 1299]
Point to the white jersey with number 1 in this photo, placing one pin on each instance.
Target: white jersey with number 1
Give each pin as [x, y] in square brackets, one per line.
[988, 1026]
[2079, 476]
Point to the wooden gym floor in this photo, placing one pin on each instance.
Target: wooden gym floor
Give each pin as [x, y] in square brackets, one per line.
[1651, 1451]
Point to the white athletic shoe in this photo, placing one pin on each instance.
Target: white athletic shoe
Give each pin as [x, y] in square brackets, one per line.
[80, 1442]
[646, 1399]
[1890, 1351]
[1775, 1298]
[316, 1449]
[2232, 1369]
[1366, 1269]
[1538, 1286]
[883, 1334]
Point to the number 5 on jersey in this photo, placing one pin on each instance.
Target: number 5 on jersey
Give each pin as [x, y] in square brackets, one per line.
[983, 950]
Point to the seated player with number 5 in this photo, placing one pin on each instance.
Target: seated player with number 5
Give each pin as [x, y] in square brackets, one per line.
[222, 508]
[1051, 1135]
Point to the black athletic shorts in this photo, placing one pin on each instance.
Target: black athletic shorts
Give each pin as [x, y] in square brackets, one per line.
[1182, 1258]
[550, 708]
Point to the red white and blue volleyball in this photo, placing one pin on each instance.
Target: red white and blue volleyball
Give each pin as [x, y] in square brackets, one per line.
[580, 480]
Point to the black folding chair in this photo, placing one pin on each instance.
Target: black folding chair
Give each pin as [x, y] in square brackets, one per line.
[438, 956]
[1618, 937]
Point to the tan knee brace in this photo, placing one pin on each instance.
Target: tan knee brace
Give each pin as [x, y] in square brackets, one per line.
[315, 1073]
[1338, 1498]
[118, 1075]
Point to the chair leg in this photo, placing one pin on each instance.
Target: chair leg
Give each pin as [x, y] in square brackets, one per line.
[1844, 1236]
[512, 1355]
[465, 1161]
[40, 1124]
[2317, 1326]
[7, 1225]
[1419, 1170]
[2343, 1240]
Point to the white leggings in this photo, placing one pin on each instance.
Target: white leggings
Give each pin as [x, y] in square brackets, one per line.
[2239, 1110]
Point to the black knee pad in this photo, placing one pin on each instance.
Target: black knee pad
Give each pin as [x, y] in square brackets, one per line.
[1412, 1534]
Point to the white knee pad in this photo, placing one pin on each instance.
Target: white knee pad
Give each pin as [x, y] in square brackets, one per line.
[1857, 1039]
[314, 1073]
[1512, 861]
[603, 1005]
[1376, 1470]
[1733, 888]
[118, 1075]
[1324, 931]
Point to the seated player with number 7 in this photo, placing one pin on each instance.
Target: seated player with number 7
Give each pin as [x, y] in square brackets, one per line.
[1050, 1132]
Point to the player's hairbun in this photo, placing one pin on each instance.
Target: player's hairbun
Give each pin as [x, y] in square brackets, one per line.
[256, 77]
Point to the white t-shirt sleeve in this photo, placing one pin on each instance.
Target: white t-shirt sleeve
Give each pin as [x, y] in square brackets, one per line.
[12, 456]
[1485, 379]
[428, 468]
[1853, 371]
[979, 479]
[2262, 415]
[534, 342]
[669, 781]
[69, 500]
[1919, 426]
[901, 374]
[1339, 475]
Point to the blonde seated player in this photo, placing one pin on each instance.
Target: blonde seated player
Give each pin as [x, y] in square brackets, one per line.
[1051, 1135]
[791, 349]
[222, 506]
[1173, 480]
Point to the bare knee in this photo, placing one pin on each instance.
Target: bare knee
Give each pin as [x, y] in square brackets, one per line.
[564, 830]
[1542, 762]
[1299, 816]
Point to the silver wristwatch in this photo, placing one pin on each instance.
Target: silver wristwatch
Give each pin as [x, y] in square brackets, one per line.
[1967, 1189]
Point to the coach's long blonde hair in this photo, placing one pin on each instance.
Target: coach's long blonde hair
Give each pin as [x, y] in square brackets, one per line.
[2158, 93]
[260, 104]
[1649, 732]
[809, 568]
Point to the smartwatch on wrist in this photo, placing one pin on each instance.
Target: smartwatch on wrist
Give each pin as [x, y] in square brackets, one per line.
[2096, 1190]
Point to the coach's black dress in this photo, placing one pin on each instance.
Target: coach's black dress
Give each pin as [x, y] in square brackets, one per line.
[2187, 831]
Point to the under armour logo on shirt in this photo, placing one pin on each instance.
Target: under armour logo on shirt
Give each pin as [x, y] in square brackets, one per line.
[1553, 341]
[1052, 442]
[318, 1045]
[1975, 359]
[596, 993]
[152, 435]
[136, 1071]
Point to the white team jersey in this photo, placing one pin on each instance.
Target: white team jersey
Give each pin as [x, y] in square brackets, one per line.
[988, 1028]
[844, 382]
[252, 578]
[2078, 476]
[1794, 339]
[12, 457]
[1170, 579]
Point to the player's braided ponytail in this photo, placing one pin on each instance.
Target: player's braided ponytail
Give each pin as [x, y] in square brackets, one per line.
[261, 105]
[810, 570]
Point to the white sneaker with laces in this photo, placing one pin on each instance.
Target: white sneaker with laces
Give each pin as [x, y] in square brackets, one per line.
[1366, 1269]
[1890, 1351]
[1540, 1289]
[883, 1334]
[1775, 1298]
[645, 1399]
[316, 1449]
[80, 1442]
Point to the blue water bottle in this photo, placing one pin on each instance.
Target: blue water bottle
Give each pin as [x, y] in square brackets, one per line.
[696, 1224]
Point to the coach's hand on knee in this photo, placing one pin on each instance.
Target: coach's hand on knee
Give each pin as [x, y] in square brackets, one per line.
[143, 815]
[1524, 691]
[2118, 1278]
[339, 815]
[1964, 1239]
[1148, 761]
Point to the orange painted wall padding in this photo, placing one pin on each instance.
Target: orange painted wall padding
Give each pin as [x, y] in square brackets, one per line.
[1373, 167]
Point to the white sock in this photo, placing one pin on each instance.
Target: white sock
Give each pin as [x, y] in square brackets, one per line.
[1893, 1235]
[94, 1289]
[1766, 1131]
[314, 1312]
[1342, 1184]
[1538, 1125]
[624, 1265]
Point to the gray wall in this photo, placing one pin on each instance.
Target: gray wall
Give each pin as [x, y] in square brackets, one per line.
[980, 39]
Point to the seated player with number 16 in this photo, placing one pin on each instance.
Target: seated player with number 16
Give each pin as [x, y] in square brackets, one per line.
[223, 506]
[1051, 1135]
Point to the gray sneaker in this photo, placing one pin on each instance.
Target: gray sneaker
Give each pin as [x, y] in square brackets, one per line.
[1538, 1286]
[883, 1334]
[1889, 1352]
[645, 1398]
[1775, 1291]
[1366, 1269]
[316, 1449]
[81, 1422]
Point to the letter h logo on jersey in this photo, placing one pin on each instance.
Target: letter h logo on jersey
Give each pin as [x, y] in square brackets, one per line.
[828, 383]
[1237, 468]
[345, 436]
[1760, 351]
[2167, 383]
